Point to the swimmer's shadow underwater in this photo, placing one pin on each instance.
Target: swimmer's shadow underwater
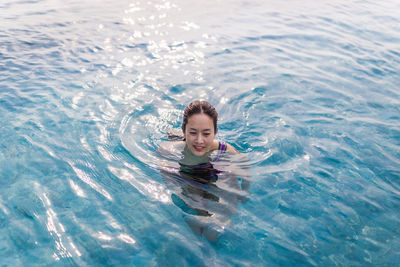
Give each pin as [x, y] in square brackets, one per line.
[208, 197]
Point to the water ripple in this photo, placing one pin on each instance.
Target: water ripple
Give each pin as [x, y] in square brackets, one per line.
[309, 91]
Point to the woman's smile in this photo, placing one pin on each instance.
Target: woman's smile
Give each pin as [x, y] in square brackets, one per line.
[198, 148]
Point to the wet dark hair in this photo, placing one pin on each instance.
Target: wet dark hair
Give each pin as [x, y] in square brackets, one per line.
[198, 107]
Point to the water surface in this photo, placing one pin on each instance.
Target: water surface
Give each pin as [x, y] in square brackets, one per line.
[309, 91]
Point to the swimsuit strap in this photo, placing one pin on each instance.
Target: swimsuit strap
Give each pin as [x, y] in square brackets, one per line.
[221, 149]
[221, 145]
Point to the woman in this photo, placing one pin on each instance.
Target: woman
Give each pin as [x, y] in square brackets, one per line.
[199, 129]
[206, 194]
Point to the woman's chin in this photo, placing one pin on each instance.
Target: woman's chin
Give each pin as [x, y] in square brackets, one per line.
[198, 153]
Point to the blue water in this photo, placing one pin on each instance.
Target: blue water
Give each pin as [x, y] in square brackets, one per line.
[309, 90]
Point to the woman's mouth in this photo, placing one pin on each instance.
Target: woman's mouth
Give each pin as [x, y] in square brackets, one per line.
[198, 148]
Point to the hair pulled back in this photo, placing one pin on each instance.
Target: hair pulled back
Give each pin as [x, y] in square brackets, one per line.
[198, 107]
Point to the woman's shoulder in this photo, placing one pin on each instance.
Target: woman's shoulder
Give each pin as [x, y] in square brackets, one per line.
[225, 147]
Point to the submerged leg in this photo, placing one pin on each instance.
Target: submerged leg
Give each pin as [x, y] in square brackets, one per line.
[213, 232]
[195, 225]
[210, 231]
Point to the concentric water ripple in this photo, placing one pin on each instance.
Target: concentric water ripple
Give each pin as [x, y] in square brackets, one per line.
[308, 91]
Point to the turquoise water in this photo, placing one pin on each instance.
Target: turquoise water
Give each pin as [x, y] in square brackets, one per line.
[309, 91]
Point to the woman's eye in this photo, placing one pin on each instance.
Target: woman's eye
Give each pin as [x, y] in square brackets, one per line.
[206, 134]
[193, 133]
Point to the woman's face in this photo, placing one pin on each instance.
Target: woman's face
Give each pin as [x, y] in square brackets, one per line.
[199, 134]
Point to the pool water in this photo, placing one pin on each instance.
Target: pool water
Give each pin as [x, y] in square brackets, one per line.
[308, 90]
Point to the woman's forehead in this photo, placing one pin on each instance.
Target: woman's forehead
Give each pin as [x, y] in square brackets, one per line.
[200, 121]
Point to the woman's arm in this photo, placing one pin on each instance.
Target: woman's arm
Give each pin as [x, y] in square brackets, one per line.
[231, 149]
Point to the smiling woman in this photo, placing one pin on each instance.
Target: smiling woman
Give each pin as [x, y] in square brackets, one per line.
[199, 130]
[206, 192]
